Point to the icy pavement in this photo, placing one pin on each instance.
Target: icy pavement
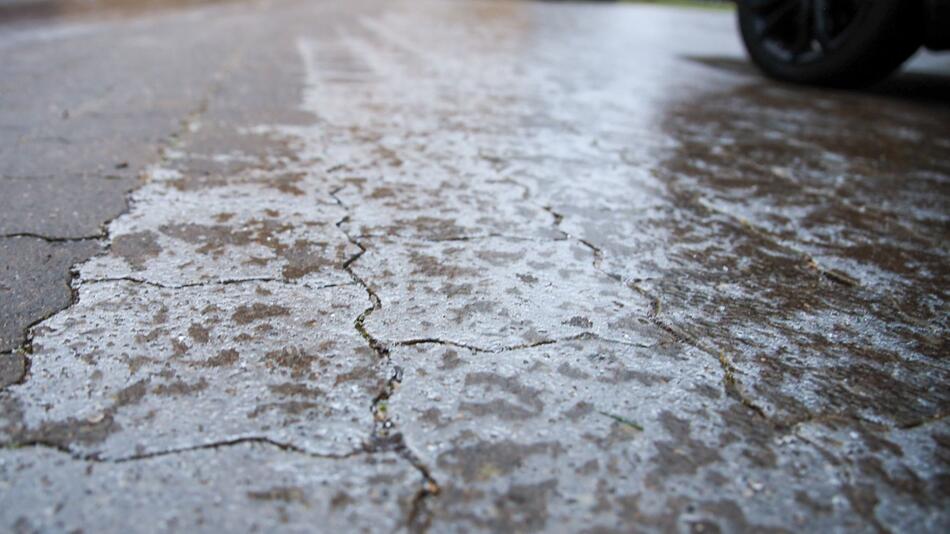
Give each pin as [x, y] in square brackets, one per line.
[480, 266]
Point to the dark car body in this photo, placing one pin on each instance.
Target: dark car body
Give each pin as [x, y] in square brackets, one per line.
[844, 43]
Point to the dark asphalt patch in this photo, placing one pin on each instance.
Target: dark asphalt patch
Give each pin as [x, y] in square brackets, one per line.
[34, 282]
[62, 206]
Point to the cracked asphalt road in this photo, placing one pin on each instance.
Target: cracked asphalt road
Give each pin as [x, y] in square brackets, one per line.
[464, 266]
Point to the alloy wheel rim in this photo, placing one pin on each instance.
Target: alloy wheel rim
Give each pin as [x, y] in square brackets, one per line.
[804, 31]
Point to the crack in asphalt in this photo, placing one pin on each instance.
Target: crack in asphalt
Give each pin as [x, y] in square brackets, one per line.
[522, 346]
[833, 275]
[212, 283]
[419, 518]
[793, 425]
[261, 440]
[558, 218]
[924, 422]
[49, 239]
[382, 436]
[381, 351]
[731, 384]
[452, 239]
[394, 443]
[380, 444]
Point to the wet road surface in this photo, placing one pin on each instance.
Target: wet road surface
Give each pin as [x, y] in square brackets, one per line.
[464, 266]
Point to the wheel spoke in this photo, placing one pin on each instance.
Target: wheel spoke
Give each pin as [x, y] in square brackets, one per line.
[821, 19]
[803, 28]
[803, 31]
[780, 13]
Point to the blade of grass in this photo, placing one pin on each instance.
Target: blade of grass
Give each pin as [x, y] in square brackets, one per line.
[622, 420]
[719, 6]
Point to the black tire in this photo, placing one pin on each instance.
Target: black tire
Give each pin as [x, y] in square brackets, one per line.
[839, 43]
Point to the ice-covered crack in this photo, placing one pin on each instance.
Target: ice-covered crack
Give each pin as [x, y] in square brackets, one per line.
[732, 385]
[383, 436]
[792, 426]
[210, 283]
[49, 239]
[381, 351]
[833, 275]
[260, 440]
[852, 421]
[924, 422]
[521, 346]
[597, 252]
[454, 238]
[557, 216]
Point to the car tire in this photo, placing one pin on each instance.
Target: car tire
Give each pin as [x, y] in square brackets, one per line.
[830, 42]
